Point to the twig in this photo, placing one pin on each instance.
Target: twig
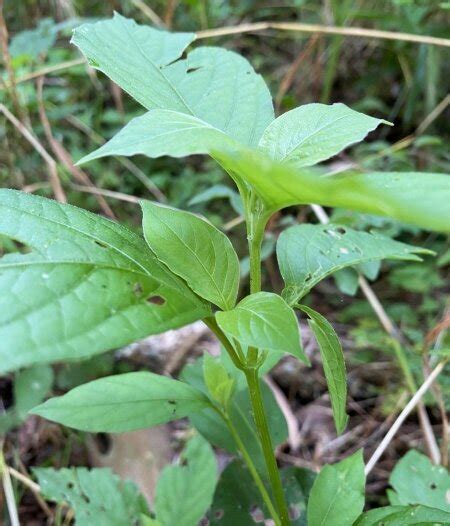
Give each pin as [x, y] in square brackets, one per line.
[402, 417]
[326, 30]
[106, 193]
[53, 172]
[148, 11]
[62, 154]
[11, 85]
[25, 480]
[8, 489]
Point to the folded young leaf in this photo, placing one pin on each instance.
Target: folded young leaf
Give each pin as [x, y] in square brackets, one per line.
[124, 402]
[421, 199]
[315, 132]
[195, 250]
[309, 253]
[333, 364]
[337, 496]
[163, 132]
[88, 285]
[97, 496]
[143, 61]
[185, 491]
[265, 321]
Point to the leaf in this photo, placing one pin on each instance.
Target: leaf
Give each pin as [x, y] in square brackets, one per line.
[30, 387]
[88, 285]
[220, 191]
[333, 364]
[237, 502]
[265, 321]
[219, 383]
[417, 198]
[337, 496]
[185, 491]
[315, 132]
[417, 481]
[210, 424]
[144, 62]
[309, 253]
[163, 132]
[34, 43]
[124, 402]
[97, 496]
[404, 516]
[195, 250]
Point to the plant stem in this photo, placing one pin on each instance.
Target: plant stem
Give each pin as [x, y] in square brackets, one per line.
[266, 443]
[253, 471]
[234, 355]
[256, 218]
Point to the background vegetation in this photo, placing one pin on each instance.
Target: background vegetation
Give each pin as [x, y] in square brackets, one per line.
[48, 92]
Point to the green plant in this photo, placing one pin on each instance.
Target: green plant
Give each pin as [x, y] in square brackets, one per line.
[87, 285]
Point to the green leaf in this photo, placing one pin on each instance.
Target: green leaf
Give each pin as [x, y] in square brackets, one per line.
[30, 387]
[417, 198]
[88, 285]
[309, 253]
[123, 402]
[185, 491]
[315, 132]
[417, 481]
[211, 425]
[143, 61]
[237, 502]
[219, 383]
[337, 496]
[97, 496]
[404, 516]
[265, 321]
[163, 132]
[333, 364]
[220, 191]
[195, 250]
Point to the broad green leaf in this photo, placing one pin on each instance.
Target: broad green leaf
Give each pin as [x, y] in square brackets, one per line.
[143, 61]
[195, 250]
[417, 481]
[237, 501]
[88, 285]
[185, 491]
[34, 43]
[163, 132]
[404, 516]
[337, 496]
[315, 132]
[97, 496]
[309, 253]
[412, 197]
[219, 383]
[30, 387]
[265, 321]
[333, 364]
[124, 402]
[220, 191]
[210, 424]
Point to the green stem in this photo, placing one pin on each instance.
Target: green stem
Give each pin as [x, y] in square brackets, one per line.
[254, 473]
[236, 357]
[266, 443]
[256, 219]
